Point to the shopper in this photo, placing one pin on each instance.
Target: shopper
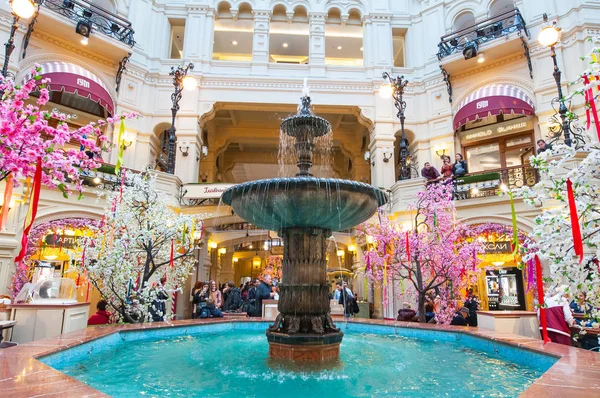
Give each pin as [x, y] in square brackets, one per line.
[263, 292]
[446, 167]
[459, 169]
[472, 303]
[407, 314]
[101, 317]
[430, 173]
[233, 298]
[542, 146]
[460, 318]
[216, 295]
[201, 296]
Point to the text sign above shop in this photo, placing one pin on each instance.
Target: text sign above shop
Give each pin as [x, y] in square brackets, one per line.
[496, 130]
[206, 191]
[502, 246]
[65, 241]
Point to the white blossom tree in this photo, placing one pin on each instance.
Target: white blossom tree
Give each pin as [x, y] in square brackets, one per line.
[140, 241]
[571, 272]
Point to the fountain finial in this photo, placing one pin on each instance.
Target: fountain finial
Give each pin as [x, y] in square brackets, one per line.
[305, 91]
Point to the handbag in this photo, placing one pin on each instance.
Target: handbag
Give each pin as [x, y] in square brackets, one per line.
[355, 307]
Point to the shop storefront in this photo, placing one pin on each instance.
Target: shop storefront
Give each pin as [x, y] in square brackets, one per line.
[504, 284]
[495, 129]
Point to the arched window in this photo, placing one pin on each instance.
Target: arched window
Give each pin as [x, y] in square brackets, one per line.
[289, 35]
[344, 38]
[500, 7]
[234, 32]
[463, 21]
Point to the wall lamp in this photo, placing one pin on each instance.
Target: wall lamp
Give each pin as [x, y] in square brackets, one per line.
[127, 142]
[84, 28]
[441, 153]
[203, 153]
[184, 148]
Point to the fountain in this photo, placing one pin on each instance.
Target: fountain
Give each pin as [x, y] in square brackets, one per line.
[305, 211]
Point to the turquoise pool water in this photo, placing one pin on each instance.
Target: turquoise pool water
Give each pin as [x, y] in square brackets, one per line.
[230, 360]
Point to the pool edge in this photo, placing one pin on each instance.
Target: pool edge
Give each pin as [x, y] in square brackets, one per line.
[574, 374]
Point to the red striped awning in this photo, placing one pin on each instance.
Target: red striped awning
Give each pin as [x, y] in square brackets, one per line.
[493, 100]
[74, 79]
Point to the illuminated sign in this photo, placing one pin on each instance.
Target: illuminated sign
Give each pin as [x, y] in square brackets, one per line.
[502, 246]
[68, 242]
[497, 130]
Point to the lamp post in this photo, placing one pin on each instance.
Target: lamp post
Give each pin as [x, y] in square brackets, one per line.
[181, 81]
[549, 37]
[395, 89]
[20, 9]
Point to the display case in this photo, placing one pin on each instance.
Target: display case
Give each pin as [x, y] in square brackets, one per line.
[49, 292]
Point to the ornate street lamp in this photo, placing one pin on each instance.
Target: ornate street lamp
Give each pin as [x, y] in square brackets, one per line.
[20, 9]
[549, 37]
[181, 81]
[395, 89]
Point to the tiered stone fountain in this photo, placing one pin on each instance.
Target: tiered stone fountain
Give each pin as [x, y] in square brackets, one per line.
[304, 210]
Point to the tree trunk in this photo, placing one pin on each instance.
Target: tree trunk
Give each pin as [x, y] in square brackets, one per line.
[422, 318]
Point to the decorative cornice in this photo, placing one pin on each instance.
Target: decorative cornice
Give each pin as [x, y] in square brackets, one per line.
[245, 84]
[75, 49]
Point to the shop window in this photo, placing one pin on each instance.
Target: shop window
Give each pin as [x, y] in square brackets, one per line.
[344, 38]
[177, 33]
[505, 152]
[289, 36]
[234, 33]
[398, 40]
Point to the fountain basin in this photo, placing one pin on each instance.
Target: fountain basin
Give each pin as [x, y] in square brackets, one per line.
[304, 202]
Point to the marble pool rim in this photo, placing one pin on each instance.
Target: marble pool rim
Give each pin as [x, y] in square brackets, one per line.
[575, 373]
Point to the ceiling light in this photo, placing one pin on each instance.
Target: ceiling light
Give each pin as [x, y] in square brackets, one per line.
[97, 180]
[84, 41]
[339, 47]
[235, 43]
[361, 49]
[481, 58]
[285, 45]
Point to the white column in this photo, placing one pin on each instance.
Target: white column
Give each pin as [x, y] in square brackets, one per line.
[188, 155]
[196, 37]
[260, 43]
[382, 148]
[316, 57]
[381, 42]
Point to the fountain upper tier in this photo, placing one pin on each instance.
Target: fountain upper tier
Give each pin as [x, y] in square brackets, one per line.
[308, 202]
[305, 201]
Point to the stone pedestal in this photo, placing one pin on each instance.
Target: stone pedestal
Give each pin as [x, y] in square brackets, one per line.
[304, 330]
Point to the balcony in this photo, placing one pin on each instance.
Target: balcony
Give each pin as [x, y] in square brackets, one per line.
[497, 37]
[111, 35]
[492, 183]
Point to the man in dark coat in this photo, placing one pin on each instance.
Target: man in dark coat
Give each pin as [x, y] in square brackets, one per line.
[251, 305]
[233, 298]
[460, 318]
[263, 292]
[472, 303]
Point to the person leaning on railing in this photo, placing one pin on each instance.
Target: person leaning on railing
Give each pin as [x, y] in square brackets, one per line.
[459, 168]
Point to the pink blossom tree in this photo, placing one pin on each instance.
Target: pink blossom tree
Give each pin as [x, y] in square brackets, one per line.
[436, 255]
[28, 135]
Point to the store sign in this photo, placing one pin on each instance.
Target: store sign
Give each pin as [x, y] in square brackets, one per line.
[496, 130]
[66, 241]
[503, 246]
[206, 191]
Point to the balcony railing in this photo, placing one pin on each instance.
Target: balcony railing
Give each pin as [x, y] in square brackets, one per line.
[99, 18]
[485, 184]
[483, 32]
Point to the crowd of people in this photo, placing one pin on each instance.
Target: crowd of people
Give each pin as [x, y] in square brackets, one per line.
[466, 315]
[449, 170]
[212, 301]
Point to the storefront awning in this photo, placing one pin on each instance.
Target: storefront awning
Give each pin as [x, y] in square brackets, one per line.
[493, 100]
[76, 80]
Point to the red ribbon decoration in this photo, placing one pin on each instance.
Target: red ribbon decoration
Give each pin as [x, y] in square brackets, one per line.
[172, 256]
[35, 198]
[590, 99]
[577, 241]
[540, 286]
